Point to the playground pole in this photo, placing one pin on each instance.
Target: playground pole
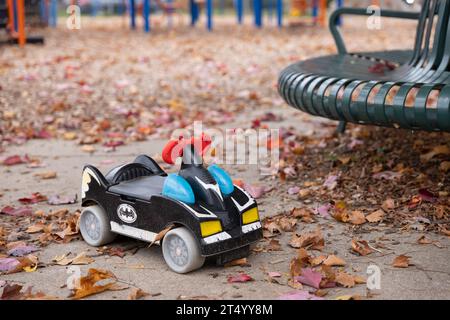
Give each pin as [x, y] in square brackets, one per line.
[257, 8]
[11, 22]
[194, 12]
[315, 11]
[132, 15]
[21, 22]
[280, 13]
[209, 13]
[53, 13]
[240, 10]
[323, 12]
[339, 4]
[146, 15]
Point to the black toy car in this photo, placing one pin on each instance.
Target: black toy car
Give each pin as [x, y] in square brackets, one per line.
[209, 215]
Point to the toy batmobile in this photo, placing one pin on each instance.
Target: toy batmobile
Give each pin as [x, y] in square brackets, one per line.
[210, 217]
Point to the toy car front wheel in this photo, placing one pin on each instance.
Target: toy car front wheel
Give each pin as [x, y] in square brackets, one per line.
[95, 227]
[181, 250]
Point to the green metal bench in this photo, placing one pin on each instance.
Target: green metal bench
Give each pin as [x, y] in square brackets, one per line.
[407, 89]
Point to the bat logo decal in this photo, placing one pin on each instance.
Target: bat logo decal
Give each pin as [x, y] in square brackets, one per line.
[126, 213]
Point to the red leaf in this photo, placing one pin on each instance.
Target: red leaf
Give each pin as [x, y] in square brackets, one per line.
[241, 277]
[16, 159]
[427, 195]
[309, 277]
[35, 198]
[19, 212]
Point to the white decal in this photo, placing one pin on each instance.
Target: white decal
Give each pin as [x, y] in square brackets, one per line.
[86, 180]
[214, 187]
[247, 204]
[133, 232]
[217, 237]
[250, 227]
[126, 213]
[198, 214]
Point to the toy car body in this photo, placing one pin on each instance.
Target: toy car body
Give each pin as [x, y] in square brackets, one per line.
[207, 216]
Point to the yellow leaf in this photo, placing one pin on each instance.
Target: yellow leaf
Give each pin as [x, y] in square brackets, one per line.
[30, 268]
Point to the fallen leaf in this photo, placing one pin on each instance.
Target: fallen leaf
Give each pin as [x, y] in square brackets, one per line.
[438, 150]
[333, 260]
[361, 247]
[314, 240]
[19, 212]
[344, 279]
[82, 259]
[309, 277]
[241, 277]
[137, 293]
[444, 166]
[356, 217]
[237, 262]
[87, 285]
[46, 175]
[424, 240]
[388, 204]
[35, 198]
[59, 200]
[299, 295]
[375, 216]
[387, 175]
[256, 191]
[22, 250]
[16, 159]
[401, 261]
[331, 182]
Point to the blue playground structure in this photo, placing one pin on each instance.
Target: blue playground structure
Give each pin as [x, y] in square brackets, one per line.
[274, 8]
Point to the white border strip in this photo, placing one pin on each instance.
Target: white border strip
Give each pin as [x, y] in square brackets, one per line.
[133, 232]
[250, 227]
[217, 237]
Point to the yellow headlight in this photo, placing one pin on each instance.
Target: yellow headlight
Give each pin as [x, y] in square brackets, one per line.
[210, 227]
[250, 216]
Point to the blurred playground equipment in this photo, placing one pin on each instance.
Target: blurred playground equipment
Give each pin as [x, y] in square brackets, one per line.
[17, 17]
[316, 10]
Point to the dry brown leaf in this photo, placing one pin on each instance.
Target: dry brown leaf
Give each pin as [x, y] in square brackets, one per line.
[375, 216]
[357, 217]
[361, 247]
[444, 166]
[88, 148]
[38, 227]
[137, 293]
[274, 245]
[237, 262]
[318, 260]
[340, 212]
[333, 260]
[344, 279]
[298, 263]
[304, 214]
[161, 235]
[88, 284]
[424, 240]
[82, 259]
[287, 224]
[401, 261]
[46, 175]
[388, 204]
[313, 240]
[438, 150]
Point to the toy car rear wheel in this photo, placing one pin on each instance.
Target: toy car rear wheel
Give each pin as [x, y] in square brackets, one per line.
[181, 251]
[95, 227]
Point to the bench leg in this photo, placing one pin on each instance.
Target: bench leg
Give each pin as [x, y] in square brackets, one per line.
[341, 127]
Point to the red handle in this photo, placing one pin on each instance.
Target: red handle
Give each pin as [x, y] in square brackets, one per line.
[174, 148]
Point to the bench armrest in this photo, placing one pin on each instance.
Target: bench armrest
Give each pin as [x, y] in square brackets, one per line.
[334, 18]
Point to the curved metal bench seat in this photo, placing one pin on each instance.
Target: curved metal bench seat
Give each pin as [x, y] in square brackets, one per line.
[407, 89]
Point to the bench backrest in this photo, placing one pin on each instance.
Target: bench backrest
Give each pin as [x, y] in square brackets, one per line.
[431, 49]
